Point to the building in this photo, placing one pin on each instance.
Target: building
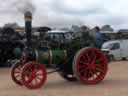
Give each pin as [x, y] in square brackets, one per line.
[122, 34]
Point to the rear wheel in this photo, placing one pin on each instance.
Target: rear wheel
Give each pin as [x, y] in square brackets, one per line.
[90, 65]
[33, 75]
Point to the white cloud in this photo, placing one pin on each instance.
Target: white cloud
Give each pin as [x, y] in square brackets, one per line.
[68, 12]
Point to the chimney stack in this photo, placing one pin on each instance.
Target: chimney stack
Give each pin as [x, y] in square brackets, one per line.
[28, 27]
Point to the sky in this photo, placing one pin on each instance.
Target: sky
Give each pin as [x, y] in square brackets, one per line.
[64, 13]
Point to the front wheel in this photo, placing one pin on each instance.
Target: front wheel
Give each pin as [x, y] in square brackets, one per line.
[33, 75]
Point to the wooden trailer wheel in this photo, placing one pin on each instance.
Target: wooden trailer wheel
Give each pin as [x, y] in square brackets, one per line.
[15, 72]
[90, 65]
[33, 75]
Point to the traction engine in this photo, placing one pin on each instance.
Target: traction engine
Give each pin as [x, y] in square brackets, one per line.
[75, 60]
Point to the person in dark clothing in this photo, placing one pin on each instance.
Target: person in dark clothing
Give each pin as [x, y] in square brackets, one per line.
[99, 38]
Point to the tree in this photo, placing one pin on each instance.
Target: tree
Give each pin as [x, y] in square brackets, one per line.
[12, 25]
[107, 28]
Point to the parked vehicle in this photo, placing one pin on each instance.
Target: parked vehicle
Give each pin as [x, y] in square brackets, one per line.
[7, 51]
[118, 49]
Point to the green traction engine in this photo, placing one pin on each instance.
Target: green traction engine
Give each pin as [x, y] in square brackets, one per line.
[77, 59]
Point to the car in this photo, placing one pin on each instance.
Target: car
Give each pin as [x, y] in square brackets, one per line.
[118, 49]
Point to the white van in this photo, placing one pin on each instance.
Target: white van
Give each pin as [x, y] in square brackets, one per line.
[118, 49]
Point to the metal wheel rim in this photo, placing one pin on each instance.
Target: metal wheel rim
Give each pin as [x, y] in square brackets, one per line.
[31, 77]
[93, 76]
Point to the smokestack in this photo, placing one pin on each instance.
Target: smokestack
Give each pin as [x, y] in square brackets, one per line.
[28, 27]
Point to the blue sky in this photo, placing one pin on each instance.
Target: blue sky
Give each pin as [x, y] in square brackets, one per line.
[63, 13]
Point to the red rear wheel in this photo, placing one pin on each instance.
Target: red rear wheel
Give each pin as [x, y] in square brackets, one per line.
[15, 72]
[90, 65]
[33, 75]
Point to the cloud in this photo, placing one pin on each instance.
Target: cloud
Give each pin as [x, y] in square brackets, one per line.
[79, 7]
[62, 13]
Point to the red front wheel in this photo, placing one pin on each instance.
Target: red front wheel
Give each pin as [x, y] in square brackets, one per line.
[33, 75]
[90, 65]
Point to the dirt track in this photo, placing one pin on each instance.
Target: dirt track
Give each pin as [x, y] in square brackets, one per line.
[115, 84]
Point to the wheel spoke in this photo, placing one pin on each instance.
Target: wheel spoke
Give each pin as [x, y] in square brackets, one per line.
[36, 81]
[30, 69]
[87, 56]
[17, 75]
[94, 59]
[17, 72]
[38, 78]
[98, 65]
[85, 74]
[84, 57]
[83, 70]
[98, 60]
[31, 83]
[82, 62]
[30, 79]
[90, 71]
[98, 69]
[90, 74]
[95, 72]
[82, 66]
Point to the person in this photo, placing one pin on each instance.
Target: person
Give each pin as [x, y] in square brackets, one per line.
[99, 38]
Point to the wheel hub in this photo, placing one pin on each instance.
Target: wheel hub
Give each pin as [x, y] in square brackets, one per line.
[33, 75]
[91, 66]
